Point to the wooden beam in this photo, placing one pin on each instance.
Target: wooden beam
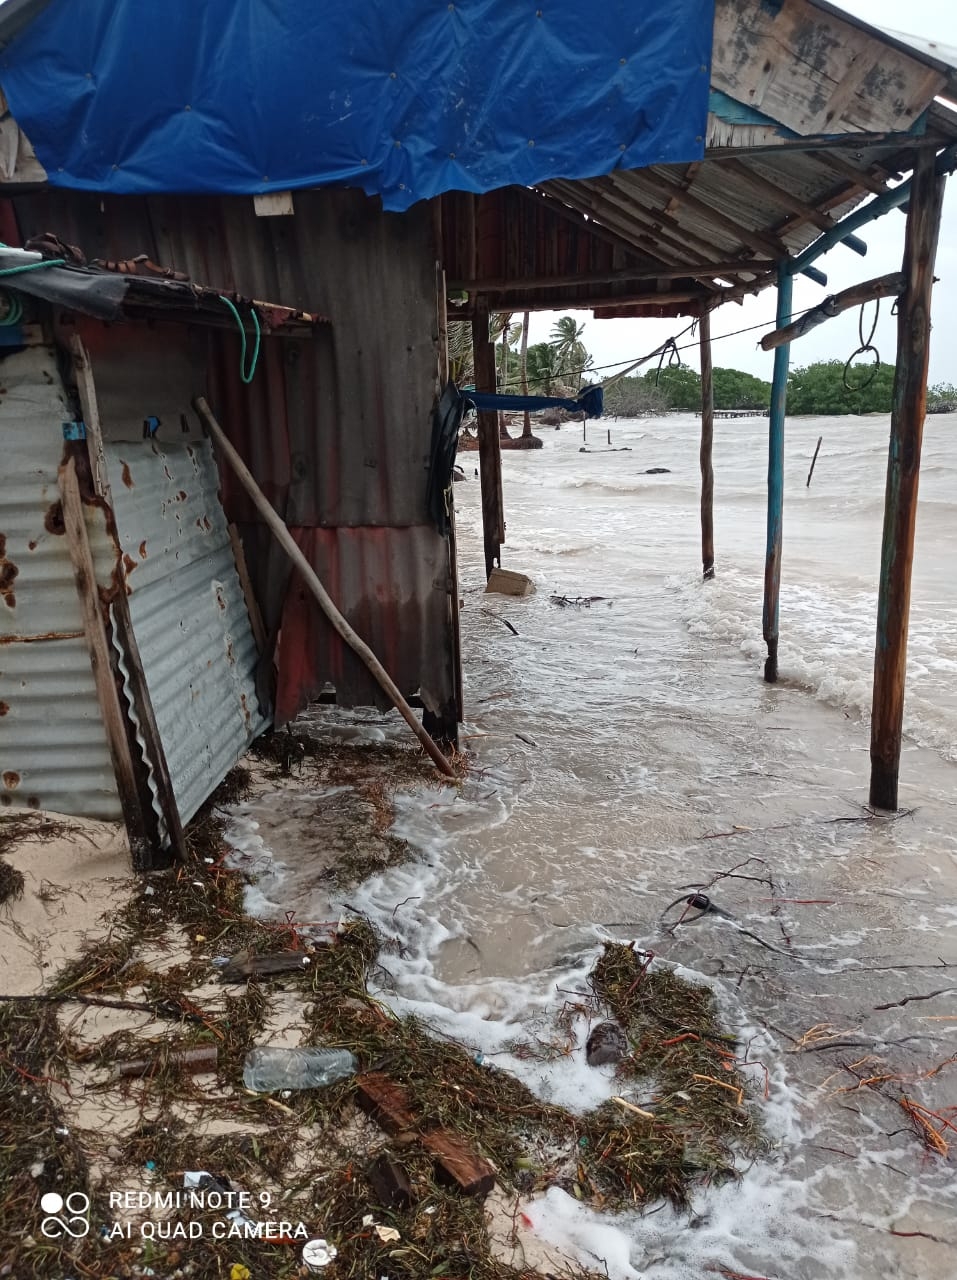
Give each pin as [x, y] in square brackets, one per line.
[490, 451]
[761, 242]
[573, 215]
[707, 445]
[646, 273]
[519, 301]
[310, 580]
[863, 179]
[126, 635]
[804, 211]
[624, 213]
[94, 627]
[252, 604]
[903, 473]
[869, 290]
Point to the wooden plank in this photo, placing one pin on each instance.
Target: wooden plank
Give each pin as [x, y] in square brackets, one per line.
[123, 623]
[707, 445]
[644, 274]
[385, 1101]
[252, 604]
[94, 628]
[458, 1163]
[867, 291]
[903, 473]
[793, 62]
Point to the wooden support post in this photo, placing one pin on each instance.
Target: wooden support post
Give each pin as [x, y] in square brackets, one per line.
[707, 444]
[111, 709]
[138, 688]
[903, 472]
[490, 452]
[779, 392]
[252, 604]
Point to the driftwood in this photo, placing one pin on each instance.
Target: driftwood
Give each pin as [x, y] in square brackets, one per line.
[248, 965]
[857, 295]
[205, 1058]
[391, 1183]
[389, 1106]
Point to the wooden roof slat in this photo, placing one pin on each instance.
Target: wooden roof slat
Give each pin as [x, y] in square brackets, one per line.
[760, 241]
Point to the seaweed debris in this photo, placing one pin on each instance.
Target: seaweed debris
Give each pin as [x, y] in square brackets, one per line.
[311, 1151]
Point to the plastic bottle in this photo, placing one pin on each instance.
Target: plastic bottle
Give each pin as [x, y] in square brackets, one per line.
[269, 1069]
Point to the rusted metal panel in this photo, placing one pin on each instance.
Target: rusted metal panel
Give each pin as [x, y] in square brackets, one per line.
[53, 747]
[336, 426]
[187, 609]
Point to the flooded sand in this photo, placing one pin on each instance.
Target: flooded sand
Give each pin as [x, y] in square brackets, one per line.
[628, 751]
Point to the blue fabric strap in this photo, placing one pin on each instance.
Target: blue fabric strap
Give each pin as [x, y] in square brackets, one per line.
[590, 401]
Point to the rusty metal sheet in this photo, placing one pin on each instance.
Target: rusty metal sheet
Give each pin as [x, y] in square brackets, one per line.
[187, 608]
[336, 426]
[53, 747]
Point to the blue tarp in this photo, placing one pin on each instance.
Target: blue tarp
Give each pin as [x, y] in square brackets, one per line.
[404, 98]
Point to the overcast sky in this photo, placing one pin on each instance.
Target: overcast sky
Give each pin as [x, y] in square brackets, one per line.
[625, 340]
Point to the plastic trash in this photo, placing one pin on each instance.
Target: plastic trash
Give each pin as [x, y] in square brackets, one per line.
[317, 1254]
[268, 1069]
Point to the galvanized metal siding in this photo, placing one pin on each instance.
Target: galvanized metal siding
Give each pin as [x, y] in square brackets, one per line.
[187, 609]
[335, 428]
[53, 747]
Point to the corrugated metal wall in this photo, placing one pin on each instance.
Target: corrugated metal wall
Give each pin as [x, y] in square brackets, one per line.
[53, 747]
[187, 609]
[336, 428]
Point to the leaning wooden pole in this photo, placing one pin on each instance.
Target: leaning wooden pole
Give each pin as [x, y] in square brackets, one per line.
[311, 579]
[707, 446]
[903, 473]
[772, 562]
[490, 450]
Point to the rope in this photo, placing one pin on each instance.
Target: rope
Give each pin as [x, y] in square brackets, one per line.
[15, 313]
[245, 376]
[30, 266]
[862, 350]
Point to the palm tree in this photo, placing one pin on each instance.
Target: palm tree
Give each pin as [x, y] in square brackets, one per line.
[461, 365]
[500, 325]
[570, 354]
[542, 367]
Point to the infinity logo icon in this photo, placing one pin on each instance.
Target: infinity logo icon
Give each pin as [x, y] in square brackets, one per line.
[74, 1222]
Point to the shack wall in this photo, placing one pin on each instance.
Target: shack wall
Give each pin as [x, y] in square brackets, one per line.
[53, 748]
[336, 428]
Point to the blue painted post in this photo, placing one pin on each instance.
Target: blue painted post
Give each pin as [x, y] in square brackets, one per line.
[779, 392]
[903, 472]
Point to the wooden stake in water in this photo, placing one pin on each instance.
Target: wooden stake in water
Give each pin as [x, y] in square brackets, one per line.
[903, 471]
[813, 460]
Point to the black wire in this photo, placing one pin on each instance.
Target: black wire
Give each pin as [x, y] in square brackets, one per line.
[598, 368]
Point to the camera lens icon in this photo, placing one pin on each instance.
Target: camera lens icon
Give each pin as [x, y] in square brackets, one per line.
[65, 1216]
